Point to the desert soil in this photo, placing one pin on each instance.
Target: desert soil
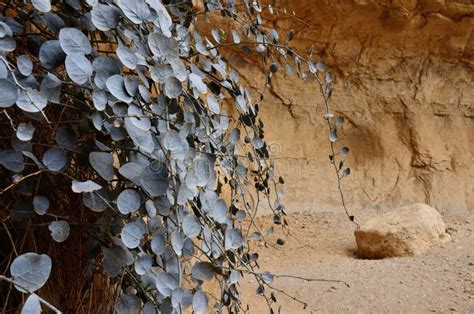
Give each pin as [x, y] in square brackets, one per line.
[322, 245]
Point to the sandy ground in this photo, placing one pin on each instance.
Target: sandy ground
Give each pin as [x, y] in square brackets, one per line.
[322, 245]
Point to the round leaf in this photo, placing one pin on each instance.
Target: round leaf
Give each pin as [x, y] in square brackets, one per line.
[136, 10]
[132, 233]
[55, 159]
[105, 17]
[24, 64]
[173, 87]
[102, 163]
[78, 68]
[32, 305]
[9, 93]
[31, 100]
[30, 271]
[200, 302]
[42, 5]
[166, 283]
[24, 131]
[66, 137]
[59, 230]
[51, 88]
[116, 86]
[73, 41]
[51, 55]
[191, 226]
[40, 204]
[128, 201]
[12, 160]
[203, 271]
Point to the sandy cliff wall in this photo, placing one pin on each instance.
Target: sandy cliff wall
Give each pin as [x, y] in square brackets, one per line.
[405, 87]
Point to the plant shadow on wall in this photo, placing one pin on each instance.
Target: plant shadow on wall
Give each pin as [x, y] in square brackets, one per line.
[124, 182]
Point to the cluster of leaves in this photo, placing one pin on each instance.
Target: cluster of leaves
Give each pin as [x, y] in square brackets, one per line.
[165, 142]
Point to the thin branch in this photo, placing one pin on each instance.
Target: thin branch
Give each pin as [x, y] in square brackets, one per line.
[52, 307]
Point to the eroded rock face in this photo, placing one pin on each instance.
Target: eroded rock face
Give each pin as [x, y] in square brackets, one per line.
[405, 231]
[404, 84]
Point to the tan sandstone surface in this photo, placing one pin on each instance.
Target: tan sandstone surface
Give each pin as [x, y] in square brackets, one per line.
[404, 84]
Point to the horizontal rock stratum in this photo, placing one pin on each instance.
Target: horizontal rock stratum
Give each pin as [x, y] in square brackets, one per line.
[405, 231]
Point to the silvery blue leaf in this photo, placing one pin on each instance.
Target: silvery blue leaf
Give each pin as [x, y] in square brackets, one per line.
[154, 179]
[24, 64]
[12, 160]
[143, 264]
[131, 85]
[132, 171]
[32, 305]
[51, 88]
[99, 98]
[203, 271]
[9, 93]
[116, 86]
[24, 131]
[73, 41]
[150, 208]
[181, 298]
[86, 186]
[136, 10]
[54, 22]
[7, 44]
[234, 276]
[200, 302]
[42, 5]
[51, 55]
[128, 304]
[128, 201]
[197, 83]
[115, 259]
[233, 239]
[162, 46]
[173, 87]
[105, 68]
[40, 204]
[191, 226]
[59, 230]
[166, 283]
[161, 72]
[96, 201]
[138, 118]
[127, 57]
[31, 100]
[164, 19]
[220, 212]
[55, 159]
[105, 17]
[132, 233]
[78, 68]
[5, 30]
[158, 244]
[141, 138]
[177, 242]
[30, 271]
[102, 163]
[213, 104]
[3, 70]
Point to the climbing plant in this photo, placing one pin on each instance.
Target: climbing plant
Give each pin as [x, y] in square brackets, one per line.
[124, 122]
